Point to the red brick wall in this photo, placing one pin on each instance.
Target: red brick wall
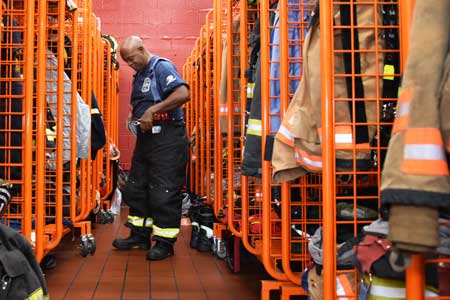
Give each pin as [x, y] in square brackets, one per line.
[169, 28]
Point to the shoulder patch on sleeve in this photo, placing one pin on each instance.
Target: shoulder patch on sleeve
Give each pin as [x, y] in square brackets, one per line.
[170, 79]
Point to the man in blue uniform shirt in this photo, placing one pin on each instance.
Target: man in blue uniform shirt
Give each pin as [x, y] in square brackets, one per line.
[159, 160]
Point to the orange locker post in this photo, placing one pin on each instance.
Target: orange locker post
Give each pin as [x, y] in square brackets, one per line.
[197, 114]
[249, 186]
[270, 244]
[232, 137]
[16, 62]
[209, 107]
[105, 108]
[293, 249]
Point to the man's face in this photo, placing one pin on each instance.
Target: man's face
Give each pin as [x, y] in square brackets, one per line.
[135, 58]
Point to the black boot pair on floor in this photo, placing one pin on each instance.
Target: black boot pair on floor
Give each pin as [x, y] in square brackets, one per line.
[202, 220]
[140, 238]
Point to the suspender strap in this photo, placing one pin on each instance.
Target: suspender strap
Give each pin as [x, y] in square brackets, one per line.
[362, 132]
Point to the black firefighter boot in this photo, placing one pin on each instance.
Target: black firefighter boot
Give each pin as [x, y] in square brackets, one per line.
[163, 248]
[139, 238]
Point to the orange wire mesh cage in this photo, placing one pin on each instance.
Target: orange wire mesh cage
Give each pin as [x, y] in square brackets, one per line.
[46, 118]
[320, 126]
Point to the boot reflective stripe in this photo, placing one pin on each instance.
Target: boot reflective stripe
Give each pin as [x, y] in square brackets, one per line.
[148, 222]
[209, 231]
[140, 222]
[312, 162]
[402, 113]
[195, 224]
[285, 136]
[37, 295]
[344, 288]
[424, 152]
[254, 127]
[165, 232]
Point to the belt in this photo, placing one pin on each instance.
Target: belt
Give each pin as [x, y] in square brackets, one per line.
[164, 117]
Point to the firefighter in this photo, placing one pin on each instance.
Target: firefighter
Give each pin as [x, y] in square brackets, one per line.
[158, 167]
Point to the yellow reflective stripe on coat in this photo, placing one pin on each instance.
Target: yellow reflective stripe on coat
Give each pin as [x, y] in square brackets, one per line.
[285, 136]
[37, 295]
[250, 89]
[254, 127]
[95, 111]
[166, 232]
[402, 112]
[389, 71]
[424, 152]
[389, 289]
[50, 134]
[139, 221]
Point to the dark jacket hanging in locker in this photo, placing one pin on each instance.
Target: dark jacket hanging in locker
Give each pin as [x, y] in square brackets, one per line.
[252, 157]
[11, 103]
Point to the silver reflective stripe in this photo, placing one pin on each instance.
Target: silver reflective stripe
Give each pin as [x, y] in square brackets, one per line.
[341, 292]
[343, 138]
[224, 109]
[424, 151]
[403, 110]
[209, 231]
[195, 224]
[286, 133]
[317, 164]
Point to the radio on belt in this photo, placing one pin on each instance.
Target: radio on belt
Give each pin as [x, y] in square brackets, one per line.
[156, 129]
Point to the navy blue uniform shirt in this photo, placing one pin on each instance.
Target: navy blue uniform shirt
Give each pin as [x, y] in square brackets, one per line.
[167, 79]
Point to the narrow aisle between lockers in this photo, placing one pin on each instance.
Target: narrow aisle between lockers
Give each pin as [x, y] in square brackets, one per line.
[126, 275]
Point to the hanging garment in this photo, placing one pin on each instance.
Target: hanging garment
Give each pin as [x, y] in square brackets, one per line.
[294, 17]
[235, 97]
[83, 125]
[252, 161]
[98, 137]
[297, 148]
[415, 179]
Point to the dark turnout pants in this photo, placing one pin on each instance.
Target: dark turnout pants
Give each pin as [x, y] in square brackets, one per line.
[156, 177]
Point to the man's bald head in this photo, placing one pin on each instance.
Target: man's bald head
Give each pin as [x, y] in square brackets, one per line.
[134, 53]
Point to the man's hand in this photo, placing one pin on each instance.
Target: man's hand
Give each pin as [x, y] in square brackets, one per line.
[147, 120]
[130, 116]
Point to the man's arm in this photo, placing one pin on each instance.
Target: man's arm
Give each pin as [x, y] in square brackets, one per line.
[178, 97]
